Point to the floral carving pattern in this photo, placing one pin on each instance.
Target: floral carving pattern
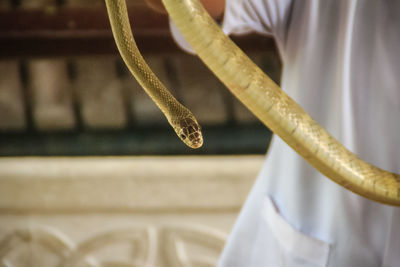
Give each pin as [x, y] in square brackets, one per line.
[177, 246]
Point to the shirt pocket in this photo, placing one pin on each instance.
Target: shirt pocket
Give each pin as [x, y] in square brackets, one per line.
[293, 247]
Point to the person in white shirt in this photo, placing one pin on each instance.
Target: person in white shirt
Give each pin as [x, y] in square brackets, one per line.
[341, 63]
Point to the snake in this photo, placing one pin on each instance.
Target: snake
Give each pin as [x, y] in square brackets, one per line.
[179, 117]
[258, 92]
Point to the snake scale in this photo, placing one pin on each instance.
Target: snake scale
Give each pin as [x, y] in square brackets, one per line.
[257, 92]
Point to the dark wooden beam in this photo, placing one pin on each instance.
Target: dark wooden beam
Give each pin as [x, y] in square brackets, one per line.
[242, 139]
[65, 31]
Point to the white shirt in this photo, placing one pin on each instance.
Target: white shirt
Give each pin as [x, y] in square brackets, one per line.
[341, 63]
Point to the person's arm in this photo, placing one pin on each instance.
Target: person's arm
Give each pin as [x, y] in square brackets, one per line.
[214, 7]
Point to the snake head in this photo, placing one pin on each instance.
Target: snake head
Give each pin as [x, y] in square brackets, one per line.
[189, 131]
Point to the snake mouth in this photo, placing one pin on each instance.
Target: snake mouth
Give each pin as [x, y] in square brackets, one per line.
[197, 142]
[194, 140]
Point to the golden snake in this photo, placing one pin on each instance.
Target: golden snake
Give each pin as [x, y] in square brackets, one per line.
[258, 93]
[180, 118]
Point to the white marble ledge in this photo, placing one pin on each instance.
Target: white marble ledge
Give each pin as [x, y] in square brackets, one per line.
[126, 184]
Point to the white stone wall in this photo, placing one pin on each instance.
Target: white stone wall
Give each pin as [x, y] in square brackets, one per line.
[120, 211]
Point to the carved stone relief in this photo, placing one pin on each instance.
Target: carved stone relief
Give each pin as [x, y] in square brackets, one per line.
[169, 245]
[120, 211]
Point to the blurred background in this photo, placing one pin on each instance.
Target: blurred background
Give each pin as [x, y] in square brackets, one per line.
[91, 174]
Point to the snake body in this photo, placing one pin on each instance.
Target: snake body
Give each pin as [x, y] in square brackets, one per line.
[180, 118]
[271, 104]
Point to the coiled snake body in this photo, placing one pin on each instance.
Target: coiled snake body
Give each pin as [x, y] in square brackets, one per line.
[258, 93]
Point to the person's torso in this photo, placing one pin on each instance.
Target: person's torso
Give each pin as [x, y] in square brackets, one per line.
[342, 65]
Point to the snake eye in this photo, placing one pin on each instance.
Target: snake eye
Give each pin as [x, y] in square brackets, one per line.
[183, 136]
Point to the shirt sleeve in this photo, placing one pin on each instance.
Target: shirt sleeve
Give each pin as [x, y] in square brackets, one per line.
[262, 16]
[244, 16]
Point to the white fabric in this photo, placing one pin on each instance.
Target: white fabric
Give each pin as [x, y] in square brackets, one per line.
[342, 65]
[180, 40]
